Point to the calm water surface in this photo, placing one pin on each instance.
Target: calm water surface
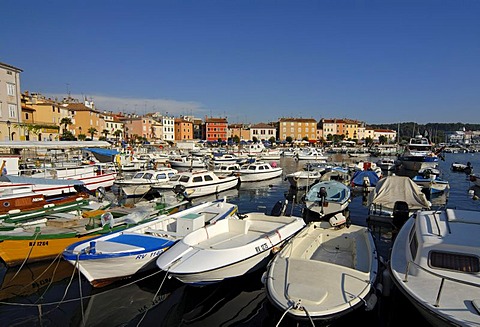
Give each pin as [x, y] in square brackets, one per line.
[53, 294]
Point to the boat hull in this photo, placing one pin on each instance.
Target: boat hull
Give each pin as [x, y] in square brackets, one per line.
[198, 191]
[421, 283]
[229, 248]
[245, 176]
[32, 249]
[124, 263]
[416, 163]
[347, 260]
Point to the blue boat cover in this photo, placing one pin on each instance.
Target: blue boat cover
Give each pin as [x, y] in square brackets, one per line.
[359, 175]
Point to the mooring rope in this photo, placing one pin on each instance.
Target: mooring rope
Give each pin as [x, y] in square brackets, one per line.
[77, 266]
[28, 256]
[283, 315]
[57, 258]
[154, 297]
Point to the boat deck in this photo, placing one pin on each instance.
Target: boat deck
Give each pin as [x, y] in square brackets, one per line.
[241, 233]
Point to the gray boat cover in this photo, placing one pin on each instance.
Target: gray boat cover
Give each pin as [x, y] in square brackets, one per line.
[391, 189]
[33, 180]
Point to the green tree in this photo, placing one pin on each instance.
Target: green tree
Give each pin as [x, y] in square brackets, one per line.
[368, 141]
[117, 134]
[382, 139]
[66, 121]
[92, 131]
[82, 137]
[105, 133]
[236, 139]
[254, 139]
[272, 140]
[289, 139]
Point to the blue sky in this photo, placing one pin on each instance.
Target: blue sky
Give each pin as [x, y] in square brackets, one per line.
[254, 61]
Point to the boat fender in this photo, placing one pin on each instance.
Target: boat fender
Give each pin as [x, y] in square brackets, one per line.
[14, 211]
[371, 302]
[50, 205]
[387, 283]
[264, 278]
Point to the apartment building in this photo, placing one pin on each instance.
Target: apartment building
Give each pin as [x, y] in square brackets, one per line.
[42, 117]
[297, 128]
[216, 129]
[242, 131]
[263, 132]
[85, 118]
[183, 129]
[10, 103]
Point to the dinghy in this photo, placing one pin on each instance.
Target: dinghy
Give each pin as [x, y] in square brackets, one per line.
[324, 272]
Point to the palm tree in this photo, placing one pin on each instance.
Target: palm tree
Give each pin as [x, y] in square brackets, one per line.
[105, 133]
[92, 131]
[66, 121]
[117, 133]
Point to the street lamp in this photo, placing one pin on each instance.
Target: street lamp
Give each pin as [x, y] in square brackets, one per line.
[9, 123]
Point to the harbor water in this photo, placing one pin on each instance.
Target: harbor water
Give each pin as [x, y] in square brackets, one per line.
[54, 294]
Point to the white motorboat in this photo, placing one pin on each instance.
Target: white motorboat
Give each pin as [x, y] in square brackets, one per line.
[229, 248]
[419, 153]
[326, 198]
[303, 178]
[141, 182]
[324, 272]
[465, 168]
[435, 263]
[122, 254]
[311, 154]
[134, 165]
[185, 162]
[430, 181]
[270, 154]
[193, 184]
[224, 158]
[259, 171]
[386, 163]
[394, 194]
[226, 168]
[62, 180]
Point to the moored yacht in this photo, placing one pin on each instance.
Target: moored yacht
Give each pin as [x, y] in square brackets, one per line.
[435, 263]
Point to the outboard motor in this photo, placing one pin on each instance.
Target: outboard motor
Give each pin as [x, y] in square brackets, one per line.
[179, 189]
[400, 214]
[80, 188]
[322, 194]
[468, 169]
[100, 193]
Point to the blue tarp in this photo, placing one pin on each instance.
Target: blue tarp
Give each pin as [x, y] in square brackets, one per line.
[359, 175]
[103, 155]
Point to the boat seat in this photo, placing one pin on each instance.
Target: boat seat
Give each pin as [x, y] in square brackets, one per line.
[160, 232]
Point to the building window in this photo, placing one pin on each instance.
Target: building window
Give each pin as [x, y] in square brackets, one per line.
[10, 89]
[12, 110]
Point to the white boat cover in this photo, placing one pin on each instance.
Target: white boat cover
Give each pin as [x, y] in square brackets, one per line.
[391, 189]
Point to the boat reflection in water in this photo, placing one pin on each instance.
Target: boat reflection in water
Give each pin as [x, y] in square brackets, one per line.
[239, 301]
[32, 278]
